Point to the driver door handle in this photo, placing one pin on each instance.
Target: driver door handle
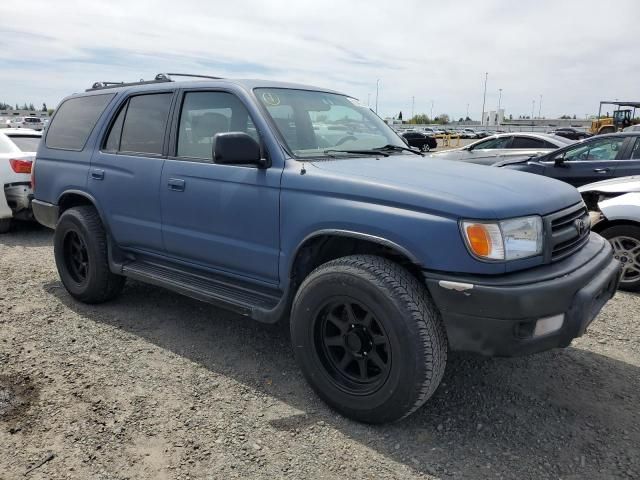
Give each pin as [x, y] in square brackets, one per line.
[601, 170]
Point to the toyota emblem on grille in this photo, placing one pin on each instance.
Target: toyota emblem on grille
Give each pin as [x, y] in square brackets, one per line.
[581, 226]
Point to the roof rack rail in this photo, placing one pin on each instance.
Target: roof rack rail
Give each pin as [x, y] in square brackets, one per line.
[167, 76]
[159, 78]
[105, 85]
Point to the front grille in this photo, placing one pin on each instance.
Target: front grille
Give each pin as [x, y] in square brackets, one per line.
[565, 234]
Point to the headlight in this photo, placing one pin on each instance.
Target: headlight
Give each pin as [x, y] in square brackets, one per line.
[506, 240]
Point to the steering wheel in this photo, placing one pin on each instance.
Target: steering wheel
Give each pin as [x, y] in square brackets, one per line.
[344, 139]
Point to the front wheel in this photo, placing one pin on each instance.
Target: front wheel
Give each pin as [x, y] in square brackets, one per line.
[625, 240]
[368, 338]
[426, 147]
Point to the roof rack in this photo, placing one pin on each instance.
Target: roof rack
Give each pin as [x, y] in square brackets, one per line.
[159, 78]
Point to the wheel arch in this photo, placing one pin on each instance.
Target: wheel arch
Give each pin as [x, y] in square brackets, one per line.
[604, 224]
[325, 245]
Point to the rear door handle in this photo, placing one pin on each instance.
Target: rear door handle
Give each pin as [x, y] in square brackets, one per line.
[601, 170]
[97, 174]
[176, 184]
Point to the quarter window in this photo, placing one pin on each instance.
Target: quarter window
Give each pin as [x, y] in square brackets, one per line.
[145, 123]
[74, 121]
[203, 115]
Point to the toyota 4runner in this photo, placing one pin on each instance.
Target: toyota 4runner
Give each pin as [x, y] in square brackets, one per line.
[284, 201]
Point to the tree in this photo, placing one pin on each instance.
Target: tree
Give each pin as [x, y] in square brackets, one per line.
[32, 107]
[460, 120]
[5, 106]
[510, 117]
[44, 107]
[574, 116]
[442, 119]
[400, 115]
[467, 119]
[17, 107]
[420, 119]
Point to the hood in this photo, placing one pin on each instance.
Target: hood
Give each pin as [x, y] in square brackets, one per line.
[454, 189]
[614, 185]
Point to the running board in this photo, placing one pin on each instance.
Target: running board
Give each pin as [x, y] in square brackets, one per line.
[241, 297]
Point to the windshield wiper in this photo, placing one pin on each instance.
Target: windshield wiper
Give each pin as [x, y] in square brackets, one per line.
[384, 150]
[397, 148]
[357, 152]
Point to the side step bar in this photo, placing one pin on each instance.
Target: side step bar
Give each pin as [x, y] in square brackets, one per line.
[241, 297]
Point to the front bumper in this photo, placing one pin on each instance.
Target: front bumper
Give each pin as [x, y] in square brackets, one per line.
[497, 316]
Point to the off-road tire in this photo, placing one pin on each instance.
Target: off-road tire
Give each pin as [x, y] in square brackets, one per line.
[402, 307]
[99, 284]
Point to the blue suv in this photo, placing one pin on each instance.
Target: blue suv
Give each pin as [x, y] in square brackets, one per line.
[284, 201]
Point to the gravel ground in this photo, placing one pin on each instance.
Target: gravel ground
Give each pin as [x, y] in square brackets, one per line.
[154, 385]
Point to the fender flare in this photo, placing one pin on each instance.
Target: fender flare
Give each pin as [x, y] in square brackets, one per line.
[351, 234]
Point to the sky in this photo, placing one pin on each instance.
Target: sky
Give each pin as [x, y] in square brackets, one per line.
[420, 53]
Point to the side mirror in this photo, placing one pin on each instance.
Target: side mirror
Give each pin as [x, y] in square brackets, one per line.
[237, 148]
[559, 161]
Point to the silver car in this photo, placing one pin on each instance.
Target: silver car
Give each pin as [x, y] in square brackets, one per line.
[505, 146]
[614, 208]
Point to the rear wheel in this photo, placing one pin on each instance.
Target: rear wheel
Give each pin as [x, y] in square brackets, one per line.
[625, 240]
[5, 225]
[80, 249]
[368, 338]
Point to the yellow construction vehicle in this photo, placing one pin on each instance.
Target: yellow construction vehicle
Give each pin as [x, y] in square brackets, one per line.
[621, 118]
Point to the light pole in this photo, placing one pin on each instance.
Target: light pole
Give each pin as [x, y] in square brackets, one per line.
[484, 97]
[431, 111]
[533, 108]
[540, 107]
[467, 112]
[368, 99]
[499, 101]
[413, 102]
[377, 89]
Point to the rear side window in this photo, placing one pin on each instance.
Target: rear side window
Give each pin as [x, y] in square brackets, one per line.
[74, 120]
[145, 123]
[528, 142]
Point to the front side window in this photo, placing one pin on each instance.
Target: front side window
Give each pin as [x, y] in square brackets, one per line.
[74, 121]
[604, 149]
[145, 123]
[635, 153]
[203, 115]
[311, 122]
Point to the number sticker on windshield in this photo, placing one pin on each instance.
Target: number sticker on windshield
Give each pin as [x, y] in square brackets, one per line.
[271, 99]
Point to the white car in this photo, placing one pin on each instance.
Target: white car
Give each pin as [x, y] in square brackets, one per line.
[17, 151]
[614, 208]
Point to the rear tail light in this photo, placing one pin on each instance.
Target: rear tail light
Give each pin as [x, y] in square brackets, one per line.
[20, 166]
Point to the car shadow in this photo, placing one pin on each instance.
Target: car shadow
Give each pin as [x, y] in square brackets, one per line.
[27, 234]
[566, 413]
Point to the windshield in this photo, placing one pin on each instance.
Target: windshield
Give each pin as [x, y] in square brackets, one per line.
[311, 122]
[26, 143]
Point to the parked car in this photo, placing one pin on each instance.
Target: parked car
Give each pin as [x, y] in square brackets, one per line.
[597, 158]
[17, 151]
[504, 145]
[420, 141]
[632, 128]
[469, 133]
[614, 206]
[34, 123]
[571, 133]
[382, 262]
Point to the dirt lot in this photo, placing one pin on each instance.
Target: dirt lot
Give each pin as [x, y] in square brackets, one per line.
[154, 385]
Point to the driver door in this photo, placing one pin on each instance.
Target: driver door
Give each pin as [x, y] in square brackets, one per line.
[587, 162]
[489, 148]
